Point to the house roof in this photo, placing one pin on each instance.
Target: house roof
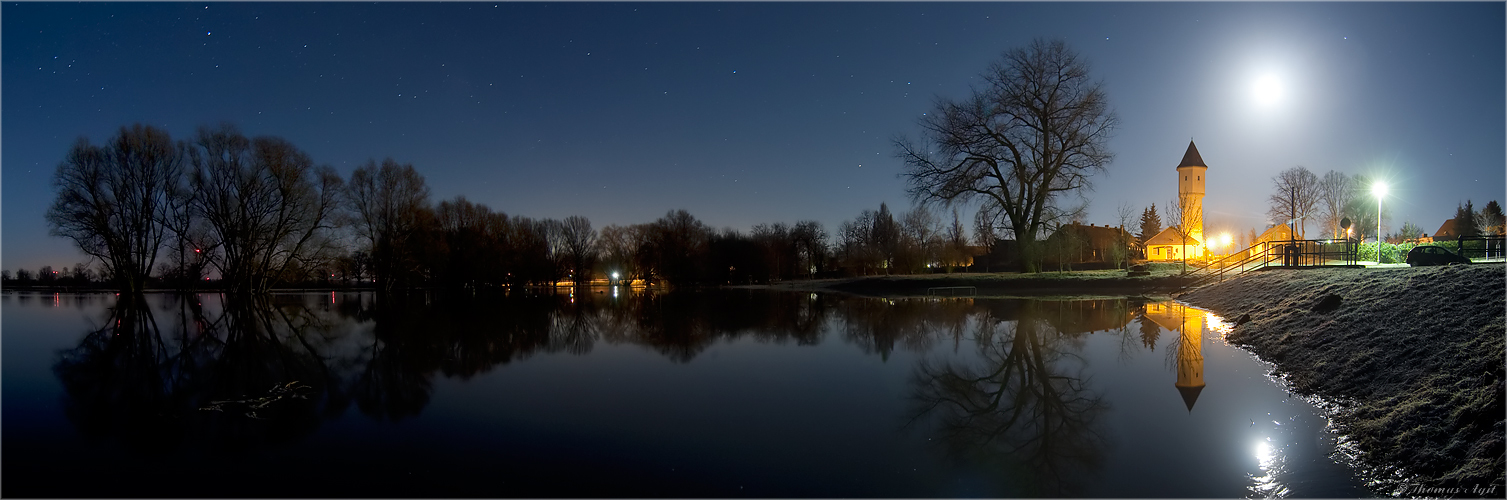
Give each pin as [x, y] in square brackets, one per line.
[1191, 158]
[1171, 237]
[1098, 236]
[1276, 233]
[1446, 230]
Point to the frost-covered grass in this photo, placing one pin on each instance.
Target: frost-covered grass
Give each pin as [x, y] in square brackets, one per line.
[1413, 357]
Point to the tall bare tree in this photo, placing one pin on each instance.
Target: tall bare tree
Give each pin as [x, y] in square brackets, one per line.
[580, 246]
[1295, 195]
[1036, 131]
[810, 241]
[112, 200]
[1178, 216]
[679, 242]
[1335, 191]
[617, 246]
[388, 204]
[266, 204]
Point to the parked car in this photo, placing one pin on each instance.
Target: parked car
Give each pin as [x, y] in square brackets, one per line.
[1429, 255]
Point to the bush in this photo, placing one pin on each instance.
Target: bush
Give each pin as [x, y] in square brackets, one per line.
[1390, 254]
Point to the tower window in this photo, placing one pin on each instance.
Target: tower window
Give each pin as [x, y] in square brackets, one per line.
[1200, 177]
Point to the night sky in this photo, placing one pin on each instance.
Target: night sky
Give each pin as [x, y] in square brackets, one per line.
[751, 113]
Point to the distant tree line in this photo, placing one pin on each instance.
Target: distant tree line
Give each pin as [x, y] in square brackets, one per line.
[258, 212]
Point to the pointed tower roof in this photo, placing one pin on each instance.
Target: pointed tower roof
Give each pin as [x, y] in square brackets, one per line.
[1191, 158]
[1190, 395]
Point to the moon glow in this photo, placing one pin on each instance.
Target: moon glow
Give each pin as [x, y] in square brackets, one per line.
[1267, 90]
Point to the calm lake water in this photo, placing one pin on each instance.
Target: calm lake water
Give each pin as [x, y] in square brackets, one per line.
[623, 393]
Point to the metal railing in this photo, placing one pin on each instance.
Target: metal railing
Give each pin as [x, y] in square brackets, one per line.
[1282, 253]
[1483, 248]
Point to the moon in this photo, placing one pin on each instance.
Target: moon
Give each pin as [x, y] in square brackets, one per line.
[1267, 90]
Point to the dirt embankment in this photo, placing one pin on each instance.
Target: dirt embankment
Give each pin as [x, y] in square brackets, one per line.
[1414, 357]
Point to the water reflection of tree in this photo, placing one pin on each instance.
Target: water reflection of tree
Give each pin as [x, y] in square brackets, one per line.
[1021, 407]
[132, 379]
[878, 325]
[681, 325]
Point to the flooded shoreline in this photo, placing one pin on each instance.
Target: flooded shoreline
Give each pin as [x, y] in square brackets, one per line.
[1409, 359]
[730, 393]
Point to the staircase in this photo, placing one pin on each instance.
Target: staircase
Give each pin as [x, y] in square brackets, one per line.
[1252, 258]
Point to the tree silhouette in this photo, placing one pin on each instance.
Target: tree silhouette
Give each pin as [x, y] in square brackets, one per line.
[112, 200]
[1036, 132]
[388, 204]
[267, 206]
[1295, 194]
[1021, 410]
[1151, 223]
[1335, 191]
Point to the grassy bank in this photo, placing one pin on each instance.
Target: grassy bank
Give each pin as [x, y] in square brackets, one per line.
[1412, 358]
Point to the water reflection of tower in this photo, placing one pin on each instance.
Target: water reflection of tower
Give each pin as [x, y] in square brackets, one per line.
[1190, 359]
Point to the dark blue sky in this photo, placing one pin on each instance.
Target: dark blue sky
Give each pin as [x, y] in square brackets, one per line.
[750, 113]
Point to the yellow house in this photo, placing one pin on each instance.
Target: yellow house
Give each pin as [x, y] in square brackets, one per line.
[1170, 245]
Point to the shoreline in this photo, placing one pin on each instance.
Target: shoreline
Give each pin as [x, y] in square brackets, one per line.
[1409, 360]
[1004, 284]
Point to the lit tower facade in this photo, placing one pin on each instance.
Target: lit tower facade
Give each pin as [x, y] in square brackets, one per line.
[1190, 192]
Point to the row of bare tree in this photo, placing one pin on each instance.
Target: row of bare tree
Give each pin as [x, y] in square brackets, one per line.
[252, 208]
[258, 212]
[1300, 195]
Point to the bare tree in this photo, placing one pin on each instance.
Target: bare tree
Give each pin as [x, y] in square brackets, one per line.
[810, 241]
[112, 200]
[266, 205]
[679, 243]
[615, 245]
[1361, 208]
[1121, 253]
[387, 203]
[919, 239]
[955, 250]
[580, 246]
[1492, 218]
[1037, 131]
[1294, 197]
[1178, 216]
[1335, 191]
[855, 244]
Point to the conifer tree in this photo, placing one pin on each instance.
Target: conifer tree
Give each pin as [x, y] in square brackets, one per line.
[1151, 223]
[1465, 221]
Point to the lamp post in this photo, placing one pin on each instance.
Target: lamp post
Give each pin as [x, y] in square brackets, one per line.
[1380, 190]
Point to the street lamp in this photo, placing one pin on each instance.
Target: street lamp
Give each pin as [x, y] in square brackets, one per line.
[1380, 190]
